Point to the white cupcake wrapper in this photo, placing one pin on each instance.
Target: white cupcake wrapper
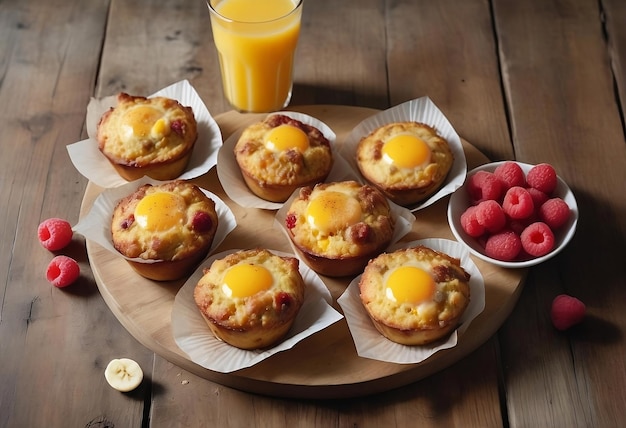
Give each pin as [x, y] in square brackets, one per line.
[236, 188]
[371, 344]
[92, 164]
[194, 337]
[96, 225]
[418, 110]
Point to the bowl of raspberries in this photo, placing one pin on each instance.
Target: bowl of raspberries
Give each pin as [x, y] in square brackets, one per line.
[513, 214]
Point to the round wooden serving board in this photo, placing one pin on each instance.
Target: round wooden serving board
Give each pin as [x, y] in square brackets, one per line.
[326, 364]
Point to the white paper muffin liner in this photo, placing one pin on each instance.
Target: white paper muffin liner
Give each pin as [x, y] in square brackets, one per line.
[93, 165]
[96, 225]
[193, 336]
[371, 344]
[236, 188]
[421, 110]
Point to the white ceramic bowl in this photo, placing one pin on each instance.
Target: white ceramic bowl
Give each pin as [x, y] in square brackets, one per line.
[459, 201]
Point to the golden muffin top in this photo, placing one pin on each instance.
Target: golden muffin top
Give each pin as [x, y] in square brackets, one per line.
[170, 221]
[250, 288]
[404, 155]
[142, 131]
[283, 151]
[340, 219]
[415, 289]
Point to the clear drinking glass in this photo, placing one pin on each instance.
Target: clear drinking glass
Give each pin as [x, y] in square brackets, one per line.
[256, 42]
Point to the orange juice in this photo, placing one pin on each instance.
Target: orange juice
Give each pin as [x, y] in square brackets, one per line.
[256, 41]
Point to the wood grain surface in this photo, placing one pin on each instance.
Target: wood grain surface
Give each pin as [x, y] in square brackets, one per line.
[325, 365]
[538, 80]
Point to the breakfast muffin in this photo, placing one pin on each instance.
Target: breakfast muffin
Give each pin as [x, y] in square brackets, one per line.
[407, 161]
[151, 137]
[250, 298]
[171, 226]
[415, 296]
[280, 154]
[337, 227]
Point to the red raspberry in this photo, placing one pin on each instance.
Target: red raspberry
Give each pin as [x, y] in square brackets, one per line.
[178, 126]
[504, 245]
[538, 196]
[484, 185]
[517, 203]
[542, 177]
[128, 222]
[470, 224]
[517, 226]
[566, 311]
[283, 301]
[510, 174]
[62, 271]
[201, 222]
[54, 234]
[554, 212]
[290, 221]
[537, 239]
[490, 215]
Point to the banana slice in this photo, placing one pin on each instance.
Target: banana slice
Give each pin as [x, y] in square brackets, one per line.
[123, 374]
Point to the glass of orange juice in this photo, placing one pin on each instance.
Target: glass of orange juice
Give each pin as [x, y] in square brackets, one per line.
[256, 42]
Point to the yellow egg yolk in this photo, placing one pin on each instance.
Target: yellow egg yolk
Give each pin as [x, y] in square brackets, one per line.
[139, 122]
[160, 211]
[244, 280]
[286, 137]
[406, 151]
[409, 284]
[331, 211]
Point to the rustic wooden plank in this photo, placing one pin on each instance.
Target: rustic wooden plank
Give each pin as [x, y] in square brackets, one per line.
[406, 406]
[152, 44]
[561, 100]
[614, 16]
[48, 74]
[446, 50]
[340, 57]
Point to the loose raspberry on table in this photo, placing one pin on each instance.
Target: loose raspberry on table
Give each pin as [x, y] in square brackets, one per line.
[470, 224]
[504, 246]
[537, 239]
[484, 185]
[510, 174]
[554, 212]
[517, 203]
[490, 215]
[566, 311]
[55, 233]
[542, 177]
[62, 271]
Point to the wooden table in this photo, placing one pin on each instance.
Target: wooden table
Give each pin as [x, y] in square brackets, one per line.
[534, 81]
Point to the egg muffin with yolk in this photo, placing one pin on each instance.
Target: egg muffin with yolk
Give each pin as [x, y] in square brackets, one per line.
[170, 227]
[151, 137]
[407, 161]
[280, 154]
[415, 296]
[250, 298]
[337, 227]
